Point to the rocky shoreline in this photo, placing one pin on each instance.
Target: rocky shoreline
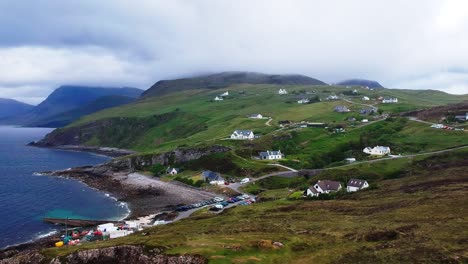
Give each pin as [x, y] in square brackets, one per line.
[145, 195]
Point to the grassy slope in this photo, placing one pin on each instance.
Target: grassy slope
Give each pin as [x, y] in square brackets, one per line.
[410, 217]
[221, 118]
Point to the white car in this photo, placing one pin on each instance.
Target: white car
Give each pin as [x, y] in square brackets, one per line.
[245, 196]
[245, 180]
[218, 199]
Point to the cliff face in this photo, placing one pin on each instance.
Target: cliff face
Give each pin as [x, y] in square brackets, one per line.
[111, 255]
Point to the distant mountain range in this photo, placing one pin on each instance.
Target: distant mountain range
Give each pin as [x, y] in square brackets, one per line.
[361, 82]
[65, 118]
[225, 79]
[10, 107]
[68, 103]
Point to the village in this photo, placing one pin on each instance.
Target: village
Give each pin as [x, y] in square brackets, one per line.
[321, 189]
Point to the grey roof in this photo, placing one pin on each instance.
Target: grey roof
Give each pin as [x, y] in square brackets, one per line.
[341, 108]
[243, 132]
[267, 153]
[313, 190]
[211, 176]
[327, 185]
[356, 183]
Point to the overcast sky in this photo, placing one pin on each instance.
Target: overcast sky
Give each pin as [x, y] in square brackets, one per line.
[418, 44]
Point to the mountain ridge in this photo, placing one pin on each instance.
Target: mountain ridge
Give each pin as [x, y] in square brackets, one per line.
[360, 82]
[225, 79]
[11, 107]
[66, 98]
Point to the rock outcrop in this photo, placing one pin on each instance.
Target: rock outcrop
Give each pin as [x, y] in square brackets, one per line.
[124, 254]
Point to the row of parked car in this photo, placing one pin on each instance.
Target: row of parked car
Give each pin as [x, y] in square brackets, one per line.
[242, 199]
[200, 204]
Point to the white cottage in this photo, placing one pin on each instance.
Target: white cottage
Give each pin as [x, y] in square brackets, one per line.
[377, 150]
[282, 92]
[355, 185]
[218, 98]
[390, 101]
[312, 192]
[303, 101]
[365, 98]
[225, 94]
[271, 155]
[256, 116]
[242, 134]
[172, 171]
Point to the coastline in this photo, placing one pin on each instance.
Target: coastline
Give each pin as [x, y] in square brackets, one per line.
[144, 196]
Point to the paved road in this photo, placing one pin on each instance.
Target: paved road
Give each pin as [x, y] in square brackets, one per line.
[268, 122]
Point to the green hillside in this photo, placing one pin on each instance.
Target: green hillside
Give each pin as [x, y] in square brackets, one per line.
[192, 118]
[414, 212]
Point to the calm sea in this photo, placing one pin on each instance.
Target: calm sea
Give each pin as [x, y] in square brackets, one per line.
[25, 197]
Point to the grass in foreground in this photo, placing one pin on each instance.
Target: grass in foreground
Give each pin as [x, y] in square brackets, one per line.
[420, 216]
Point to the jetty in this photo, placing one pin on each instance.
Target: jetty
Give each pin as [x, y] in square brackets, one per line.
[73, 222]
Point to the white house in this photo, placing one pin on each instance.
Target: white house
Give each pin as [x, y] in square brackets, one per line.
[225, 94]
[282, 92]
[212, 177]
[332, 97]
[271, 155]
[172, 171]
[327, 186]
[390, 100]
[377, 151]
[365, 121]
[303, 101]
[312, 192]
[256, 116]
[242, 134]
[350, 160]
[218, 98]
[365, 98]
[355, 185]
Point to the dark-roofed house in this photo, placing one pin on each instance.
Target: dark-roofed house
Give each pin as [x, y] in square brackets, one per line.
[271, 155]
[355, 185]
[242, 134]
[341, 109]
[327, 186]
[312, 192]
[212, 178]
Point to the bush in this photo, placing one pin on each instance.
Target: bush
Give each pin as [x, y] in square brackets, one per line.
[157, 169]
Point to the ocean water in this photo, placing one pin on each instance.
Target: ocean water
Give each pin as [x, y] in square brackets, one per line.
[26, 197]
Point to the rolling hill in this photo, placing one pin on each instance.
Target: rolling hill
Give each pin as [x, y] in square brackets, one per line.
[191, 118]
[10, 107]
[362, 83]
[67, 98]
[225, 79]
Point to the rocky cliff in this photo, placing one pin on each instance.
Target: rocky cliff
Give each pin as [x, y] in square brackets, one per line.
[112, 255]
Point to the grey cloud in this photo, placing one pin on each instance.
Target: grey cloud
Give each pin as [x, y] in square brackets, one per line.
[135, 43]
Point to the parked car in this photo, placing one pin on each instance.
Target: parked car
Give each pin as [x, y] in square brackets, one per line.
[214, 208]
[244, 181]
[218, 199]
[224, 204]
[245, 196]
